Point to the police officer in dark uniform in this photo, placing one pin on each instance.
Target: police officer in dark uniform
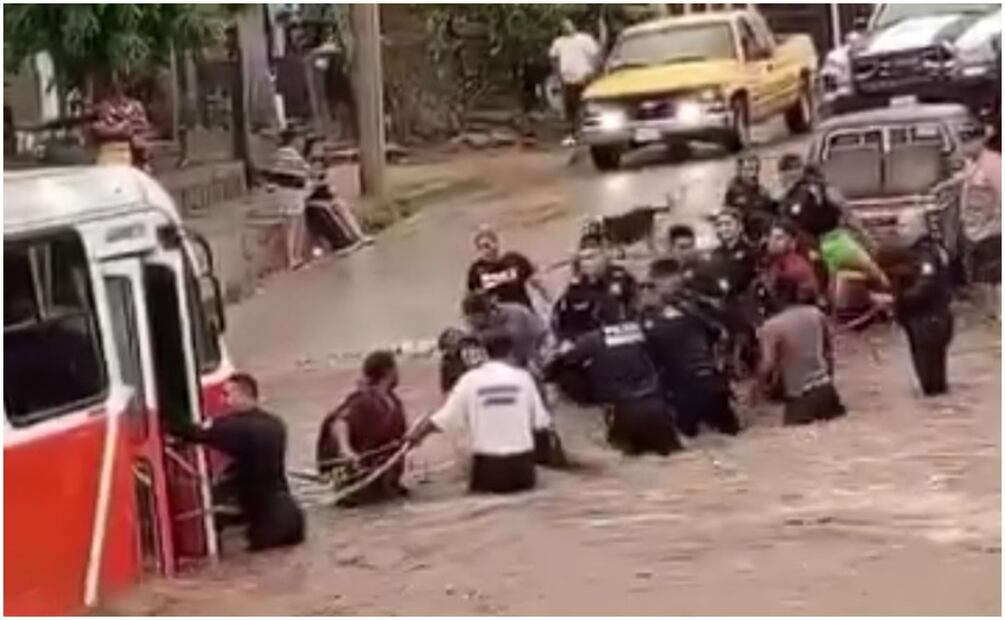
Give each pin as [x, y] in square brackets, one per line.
[746, 194]
[615, 360]
[459, 353]
[598, 292]
[729, 275]
[922, 285]
[679, 334]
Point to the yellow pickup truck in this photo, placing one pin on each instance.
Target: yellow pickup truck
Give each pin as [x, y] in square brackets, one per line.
[703, 77]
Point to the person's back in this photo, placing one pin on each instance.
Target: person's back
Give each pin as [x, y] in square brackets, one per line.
[500, 410]
[800, 333]
[526, 329]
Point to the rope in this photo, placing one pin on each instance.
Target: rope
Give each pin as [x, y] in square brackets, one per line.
[384, 467]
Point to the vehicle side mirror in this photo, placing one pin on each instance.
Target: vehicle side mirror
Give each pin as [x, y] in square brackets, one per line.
[212, 300]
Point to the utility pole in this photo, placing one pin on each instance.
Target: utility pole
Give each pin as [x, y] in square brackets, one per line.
[368, 83]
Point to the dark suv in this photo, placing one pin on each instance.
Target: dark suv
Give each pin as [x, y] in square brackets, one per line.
[934, 52]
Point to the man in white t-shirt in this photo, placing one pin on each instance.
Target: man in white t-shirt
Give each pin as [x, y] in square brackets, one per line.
[575, 56]
[500, 408]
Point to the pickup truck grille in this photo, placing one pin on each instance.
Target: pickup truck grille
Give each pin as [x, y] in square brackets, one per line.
[884, 71]
[651, 108]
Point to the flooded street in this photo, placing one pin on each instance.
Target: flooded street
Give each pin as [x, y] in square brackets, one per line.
[892, 510]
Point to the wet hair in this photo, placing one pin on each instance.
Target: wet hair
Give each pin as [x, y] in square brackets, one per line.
[680, 231]
[498, 344]
[476, 303]
[287, 136]
[790, 161]
[378, 365]
[246, 383]
[664, 268]
[788, 292]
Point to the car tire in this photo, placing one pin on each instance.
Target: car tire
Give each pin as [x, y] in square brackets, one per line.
[739, 136]
[606, 157]
[799, 116]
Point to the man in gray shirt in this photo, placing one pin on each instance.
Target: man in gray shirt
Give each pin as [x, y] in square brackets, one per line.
[527, 331]
[796, 349]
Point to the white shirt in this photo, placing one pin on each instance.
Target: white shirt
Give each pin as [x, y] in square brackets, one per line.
[501, 407]
[577, 56]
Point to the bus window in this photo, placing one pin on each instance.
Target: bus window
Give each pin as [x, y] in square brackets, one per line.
[127, 346]
[206, 332]
[52, 350]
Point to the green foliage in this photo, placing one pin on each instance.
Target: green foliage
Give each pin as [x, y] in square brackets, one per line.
[87, 40]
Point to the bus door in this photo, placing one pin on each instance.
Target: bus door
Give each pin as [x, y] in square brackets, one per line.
[171, 482]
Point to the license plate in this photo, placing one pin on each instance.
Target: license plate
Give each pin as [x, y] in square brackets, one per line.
[647, 134]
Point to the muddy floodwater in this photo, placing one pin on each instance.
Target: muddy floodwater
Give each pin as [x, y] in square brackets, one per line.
[894, 510]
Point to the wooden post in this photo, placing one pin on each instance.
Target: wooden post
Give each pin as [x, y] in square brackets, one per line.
[368, 87]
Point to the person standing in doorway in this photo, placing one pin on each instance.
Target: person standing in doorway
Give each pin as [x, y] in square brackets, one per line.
[575, 56]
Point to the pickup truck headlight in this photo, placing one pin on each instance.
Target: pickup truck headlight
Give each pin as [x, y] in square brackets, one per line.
[689, 111]
[612, 120]
[606, 117]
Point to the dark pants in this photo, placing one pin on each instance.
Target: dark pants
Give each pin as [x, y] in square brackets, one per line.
[929, 337]
[815, 405]
[279, 522]
[502, 474]
[709, 404]
[572, 99]
[642, 426]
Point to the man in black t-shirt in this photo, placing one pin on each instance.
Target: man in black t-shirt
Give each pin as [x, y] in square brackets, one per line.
[502, 276]
[255, 441]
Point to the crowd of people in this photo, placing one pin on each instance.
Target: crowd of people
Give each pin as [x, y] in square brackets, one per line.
[662, 354]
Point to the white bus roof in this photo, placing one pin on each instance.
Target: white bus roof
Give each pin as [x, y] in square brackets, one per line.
[53, 197]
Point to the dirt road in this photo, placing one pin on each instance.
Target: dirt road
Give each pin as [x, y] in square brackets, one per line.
[893, 510]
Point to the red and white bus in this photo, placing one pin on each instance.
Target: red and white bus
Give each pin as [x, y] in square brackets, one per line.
[112, 333]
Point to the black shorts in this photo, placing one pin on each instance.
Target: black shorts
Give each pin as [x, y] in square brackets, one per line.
[815, 405]
[503, 474]
[643, 425]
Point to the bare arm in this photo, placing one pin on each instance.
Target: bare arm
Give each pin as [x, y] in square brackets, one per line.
[340, 429]
[828, 344]
[768, 368]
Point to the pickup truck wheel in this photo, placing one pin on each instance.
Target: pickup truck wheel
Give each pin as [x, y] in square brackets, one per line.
[739, 135]
[799, 117]
[606, 157]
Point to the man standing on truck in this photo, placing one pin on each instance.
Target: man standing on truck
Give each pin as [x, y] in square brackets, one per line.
[575, 56]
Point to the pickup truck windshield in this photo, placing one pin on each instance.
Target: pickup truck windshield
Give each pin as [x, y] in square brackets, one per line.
[673, 44]
[892, 13]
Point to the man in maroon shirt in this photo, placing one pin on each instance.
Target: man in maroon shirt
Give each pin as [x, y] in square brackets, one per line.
[365, 430]
[787, 262]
